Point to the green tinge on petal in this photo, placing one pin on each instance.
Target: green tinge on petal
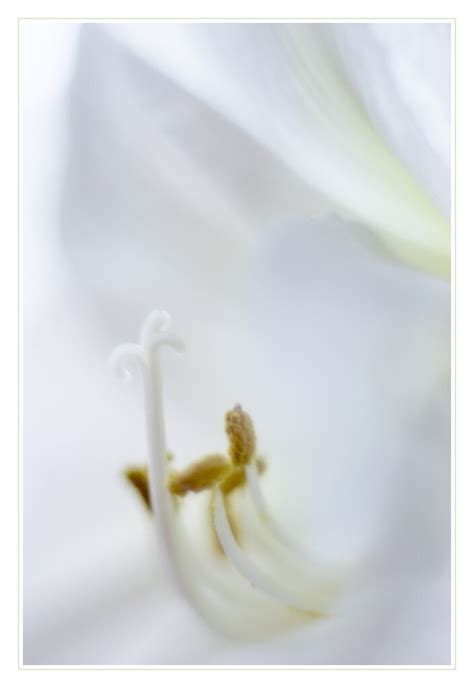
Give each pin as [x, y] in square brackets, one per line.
[431, 261]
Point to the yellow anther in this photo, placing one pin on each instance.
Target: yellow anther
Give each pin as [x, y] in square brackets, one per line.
[234, 479]
[200, 475]
[212, 469]
[239, 429]
[261, 465]
[237, 477]
[138, 477]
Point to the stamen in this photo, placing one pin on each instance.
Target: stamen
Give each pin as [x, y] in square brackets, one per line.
[138, 477]
[231, 518]
[236, 478]
[239, 428]
[200, 475]
[246, 567]
[262, 508]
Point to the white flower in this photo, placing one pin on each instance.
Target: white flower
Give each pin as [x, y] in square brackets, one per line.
[242, 176]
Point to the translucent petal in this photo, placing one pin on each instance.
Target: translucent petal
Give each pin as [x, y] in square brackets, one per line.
[282, 84]
[402, 73]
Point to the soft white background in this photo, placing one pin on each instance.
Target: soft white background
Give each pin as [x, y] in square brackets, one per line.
[341, 354]
[463, 257]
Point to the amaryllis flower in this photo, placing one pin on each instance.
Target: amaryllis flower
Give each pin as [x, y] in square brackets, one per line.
[283, 191]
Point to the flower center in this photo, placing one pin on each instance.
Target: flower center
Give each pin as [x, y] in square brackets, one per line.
[288, 577]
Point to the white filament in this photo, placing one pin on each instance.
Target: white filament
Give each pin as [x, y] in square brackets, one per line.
[256, 577]
[262, 508]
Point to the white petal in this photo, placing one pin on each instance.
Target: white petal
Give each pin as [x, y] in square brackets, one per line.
[282, 85]
[402, 75]
[163, 204]
[355, 353]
